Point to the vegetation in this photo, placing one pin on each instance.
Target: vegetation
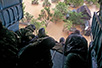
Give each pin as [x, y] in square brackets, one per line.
[74, 19]
[68, 25]
[37, 24]
[59, 12]
[28, 17]
[57, 16]
[55, 1]
[46, 3]
[74, 3]
[95, 2]
[62, 7]
[35, 2]
[23, 8]
[45, 15]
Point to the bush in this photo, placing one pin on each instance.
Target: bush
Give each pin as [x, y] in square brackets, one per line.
[46, 3]
[76, 18]
[59, 12]
[35, 2]
[57, 16]
[62, 7]
[74, 3]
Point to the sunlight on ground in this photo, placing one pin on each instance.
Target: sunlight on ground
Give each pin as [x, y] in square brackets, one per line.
[53, 30]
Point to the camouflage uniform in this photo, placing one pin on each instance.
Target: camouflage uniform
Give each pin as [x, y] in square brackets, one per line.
[26, 35]
[8, 50]
[37, 54]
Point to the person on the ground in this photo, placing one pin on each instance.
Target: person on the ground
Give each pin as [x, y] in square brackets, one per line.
[76, 48]
[8, 47]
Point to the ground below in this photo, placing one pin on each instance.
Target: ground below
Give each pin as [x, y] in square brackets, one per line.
[53, 30]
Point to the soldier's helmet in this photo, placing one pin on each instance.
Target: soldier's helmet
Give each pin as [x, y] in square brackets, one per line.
[41, 32]
[31, 27]
[62, 40]
[77, 31]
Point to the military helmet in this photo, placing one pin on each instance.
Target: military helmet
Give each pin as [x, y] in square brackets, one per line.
[77, 31]
[31, 27]
[62, 40]
[41, 31]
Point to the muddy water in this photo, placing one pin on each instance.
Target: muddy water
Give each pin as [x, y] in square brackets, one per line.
[53, 30]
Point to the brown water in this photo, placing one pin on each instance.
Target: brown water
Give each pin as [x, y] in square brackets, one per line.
[53, 30]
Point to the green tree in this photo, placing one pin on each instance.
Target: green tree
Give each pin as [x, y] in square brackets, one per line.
[68, 24]
[28, 17]
[57, 16]
[45, 15]
[48, 12]
[62, 7]
[75, 3]
[74, 19]
[59, 12]
[46, 3]
[35, 2]
[38, 24]
[42, 15]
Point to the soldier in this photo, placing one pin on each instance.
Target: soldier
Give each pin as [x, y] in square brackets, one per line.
[8, 47]
[26, 35]
[62, 41]
[76, 49]
[37, 54]
[41, 33]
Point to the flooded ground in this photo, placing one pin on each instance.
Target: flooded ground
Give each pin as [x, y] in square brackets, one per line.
[53, 30]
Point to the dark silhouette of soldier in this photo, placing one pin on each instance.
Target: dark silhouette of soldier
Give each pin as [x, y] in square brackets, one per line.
[26, 35]
[41, 33]
[37, 54]
[8, 47]
[76, 49]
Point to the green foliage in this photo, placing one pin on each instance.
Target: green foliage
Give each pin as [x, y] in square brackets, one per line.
[76, 3]
[94, 1]
[45, 15]
[76, 18]
[42, 15]
[48, 12]
[59, 12]
[46, 3]
[23, 8]
[68, 24]
[57, 16]
[37, 24]
[35, 2]
[90, 2]
[28, 16]
[62, 7]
